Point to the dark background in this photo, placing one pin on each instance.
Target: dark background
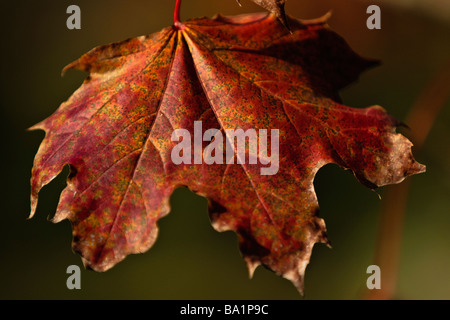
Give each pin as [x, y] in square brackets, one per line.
[190, 260]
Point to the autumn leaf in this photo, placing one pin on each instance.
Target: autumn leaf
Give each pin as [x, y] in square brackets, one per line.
[247, 72]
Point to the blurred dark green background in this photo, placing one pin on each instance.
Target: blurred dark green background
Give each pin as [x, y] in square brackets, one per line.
[190, 260]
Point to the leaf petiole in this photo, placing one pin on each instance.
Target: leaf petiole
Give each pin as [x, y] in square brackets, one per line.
[176, 14]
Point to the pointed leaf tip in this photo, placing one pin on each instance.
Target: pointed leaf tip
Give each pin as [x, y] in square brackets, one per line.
[252, 265]
[276, 7]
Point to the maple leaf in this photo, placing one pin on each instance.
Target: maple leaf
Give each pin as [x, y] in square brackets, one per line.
[244, 72]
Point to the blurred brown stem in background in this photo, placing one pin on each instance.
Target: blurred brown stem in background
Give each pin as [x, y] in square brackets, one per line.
[420, 119]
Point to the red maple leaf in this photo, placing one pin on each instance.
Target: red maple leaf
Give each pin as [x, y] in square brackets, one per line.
[247, 72]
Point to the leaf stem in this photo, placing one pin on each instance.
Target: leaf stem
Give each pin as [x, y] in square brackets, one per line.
[176, 14]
